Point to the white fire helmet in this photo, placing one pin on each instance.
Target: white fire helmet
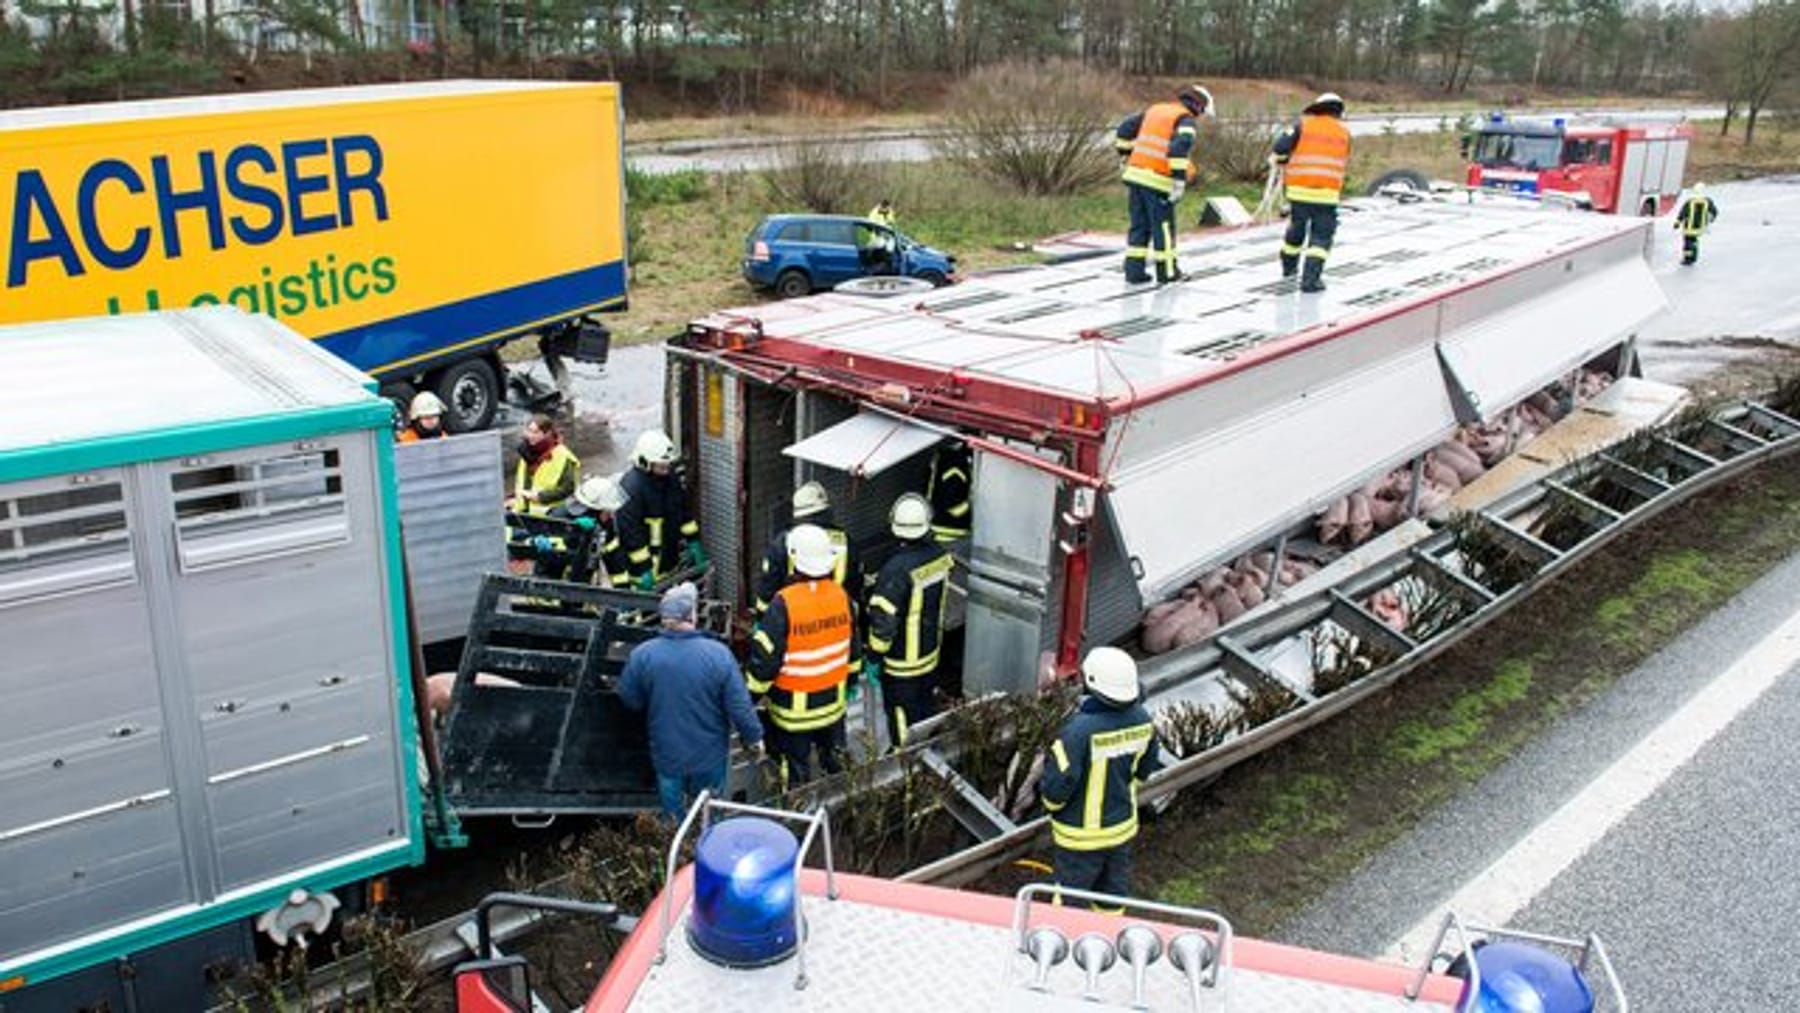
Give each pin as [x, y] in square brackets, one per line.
[1329, 101]
[425, 403]
[811, 552]
[601, 492]
[1110, 672]
[810, 499]
[910, 516]
[653, 447]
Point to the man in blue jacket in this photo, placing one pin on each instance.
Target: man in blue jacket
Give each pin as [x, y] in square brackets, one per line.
[694, 694]
[1091, 778]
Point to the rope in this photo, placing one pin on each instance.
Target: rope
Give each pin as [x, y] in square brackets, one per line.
[1265, 208]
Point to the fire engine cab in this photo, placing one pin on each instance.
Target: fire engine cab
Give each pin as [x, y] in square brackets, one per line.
[1614, 168]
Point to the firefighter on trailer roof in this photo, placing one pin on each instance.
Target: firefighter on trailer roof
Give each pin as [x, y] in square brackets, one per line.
[801, 652]
[1092, 773]
[659, 535]
[1157, 145]
[1315, 154]
[906, 617]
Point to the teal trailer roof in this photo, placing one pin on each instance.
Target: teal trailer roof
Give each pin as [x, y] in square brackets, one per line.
[102, 391]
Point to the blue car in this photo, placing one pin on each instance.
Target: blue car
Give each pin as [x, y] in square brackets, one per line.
[798, 254]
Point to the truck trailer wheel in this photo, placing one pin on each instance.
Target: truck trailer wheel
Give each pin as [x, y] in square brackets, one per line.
[401, 395]
[470, 390]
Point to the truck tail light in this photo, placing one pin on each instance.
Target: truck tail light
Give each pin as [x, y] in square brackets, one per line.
[759, 252]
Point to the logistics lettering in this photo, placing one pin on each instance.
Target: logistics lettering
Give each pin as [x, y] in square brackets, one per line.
[252, 195]
[321, 285]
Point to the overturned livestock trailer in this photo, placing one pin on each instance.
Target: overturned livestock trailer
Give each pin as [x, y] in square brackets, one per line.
[1127, 438]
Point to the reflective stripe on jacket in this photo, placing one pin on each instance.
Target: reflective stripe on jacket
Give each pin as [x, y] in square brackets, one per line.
[800, 655]
[654, 522]
[554, 479]
[1091, 777]
[777, 569]
[1318, 161]
[1160, 147]
[906, 611]
[948, 491]
[1696, 214]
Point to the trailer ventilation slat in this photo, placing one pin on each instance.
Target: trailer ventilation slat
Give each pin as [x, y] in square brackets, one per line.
[1280, 286]
[1226, 346]
[1480, 264]
[1032, 312]
[1350, 270]
[1399, 256]
[1378, 297]
[1135, 325]
[1209, 271]
[963, 301]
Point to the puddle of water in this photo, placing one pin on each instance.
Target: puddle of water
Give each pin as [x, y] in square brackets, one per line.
[613, 403]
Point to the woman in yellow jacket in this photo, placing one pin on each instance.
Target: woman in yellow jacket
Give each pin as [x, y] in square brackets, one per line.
[548, 471]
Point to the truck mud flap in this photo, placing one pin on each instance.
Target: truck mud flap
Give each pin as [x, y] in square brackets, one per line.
[544, 733]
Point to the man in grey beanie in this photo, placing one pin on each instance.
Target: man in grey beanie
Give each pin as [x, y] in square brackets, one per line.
[693, 693]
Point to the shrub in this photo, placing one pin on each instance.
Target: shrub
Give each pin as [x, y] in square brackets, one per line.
[684, 186]
[818, 176]
[1039, 127]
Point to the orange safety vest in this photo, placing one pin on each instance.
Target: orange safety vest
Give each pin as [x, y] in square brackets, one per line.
[808, 691]
[1316, 166]
[1149, 163]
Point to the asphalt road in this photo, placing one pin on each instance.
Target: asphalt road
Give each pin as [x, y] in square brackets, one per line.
[1741, 293]
[1686, 878]
[756, 153]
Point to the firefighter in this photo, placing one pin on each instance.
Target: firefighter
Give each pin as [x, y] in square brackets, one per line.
[949, 490]
[800, 656]
[906, 617]
[1091, 776]
[593, 512]
[1156, 145]
[548, 471]
[659, 535]
[811, 504]
[1694, 217]
[1316, 153]
[425, 419]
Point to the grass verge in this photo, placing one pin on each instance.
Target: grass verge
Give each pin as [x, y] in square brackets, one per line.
[1271, 835]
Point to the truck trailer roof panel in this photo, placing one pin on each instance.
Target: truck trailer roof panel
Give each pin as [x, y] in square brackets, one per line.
[1124, 344]
[161, 371]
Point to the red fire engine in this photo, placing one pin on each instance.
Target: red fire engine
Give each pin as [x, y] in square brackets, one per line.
[1615, 168]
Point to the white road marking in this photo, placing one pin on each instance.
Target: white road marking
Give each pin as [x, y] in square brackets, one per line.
[1503, 889]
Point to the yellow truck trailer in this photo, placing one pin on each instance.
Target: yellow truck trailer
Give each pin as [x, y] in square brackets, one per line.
[411, 229]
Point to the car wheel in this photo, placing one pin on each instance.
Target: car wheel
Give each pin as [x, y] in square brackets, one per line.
[936, 278]
[1401, 179]
[792, 284]
[470, 390]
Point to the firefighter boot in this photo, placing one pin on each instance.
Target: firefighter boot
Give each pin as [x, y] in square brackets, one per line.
[1313, 278]
[1290, 264]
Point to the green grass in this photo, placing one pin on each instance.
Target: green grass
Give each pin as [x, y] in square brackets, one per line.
[1467, 719]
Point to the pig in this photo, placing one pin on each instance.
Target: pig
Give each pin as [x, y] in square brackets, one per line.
[1199, 621]
[1387, 606]
[1460, 459]
[439, 687]
[1332, 522]
[1227, 604]
[1385, 513]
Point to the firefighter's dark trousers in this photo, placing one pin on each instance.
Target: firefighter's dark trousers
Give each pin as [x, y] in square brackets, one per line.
[1150, 243]
[1311, 227]
[907, 701]
[1690, 249]
[793, 750]
[1107, 870]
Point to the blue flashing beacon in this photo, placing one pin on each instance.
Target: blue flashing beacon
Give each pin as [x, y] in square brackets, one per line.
[746, 897]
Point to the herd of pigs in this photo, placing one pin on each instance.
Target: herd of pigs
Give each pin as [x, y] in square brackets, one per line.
[1224, 593]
